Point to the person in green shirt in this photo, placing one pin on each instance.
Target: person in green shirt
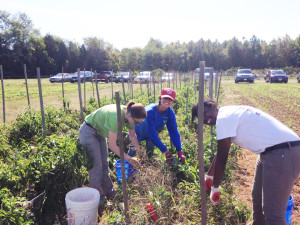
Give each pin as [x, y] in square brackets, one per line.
[101, 124]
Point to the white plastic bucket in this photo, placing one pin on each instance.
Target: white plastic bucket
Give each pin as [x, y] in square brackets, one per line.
[82, 206]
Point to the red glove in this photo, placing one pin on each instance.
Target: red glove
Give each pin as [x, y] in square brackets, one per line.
[208, 182]
[169, 157]
[215, 196]
[181, 157]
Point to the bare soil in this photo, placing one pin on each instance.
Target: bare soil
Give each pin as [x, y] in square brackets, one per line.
[245, 173]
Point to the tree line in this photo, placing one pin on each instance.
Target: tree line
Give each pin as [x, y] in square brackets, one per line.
[21, 43]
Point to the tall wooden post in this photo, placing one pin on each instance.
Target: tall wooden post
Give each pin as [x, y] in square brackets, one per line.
[154, 87]
[112, 87]
[3, 94]
[26, 84]
[62, 85]
[79, 94]
[200, 143]
[216, 84]
[41, 101]
[97, 90]
[92, 81]
[124, 93]
[180, 80]
[131, 86]
[121, 147]
[211, 81]
[84, 93]
[187, 100]
[221, 73]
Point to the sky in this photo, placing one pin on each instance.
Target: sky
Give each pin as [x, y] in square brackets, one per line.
[131, 23]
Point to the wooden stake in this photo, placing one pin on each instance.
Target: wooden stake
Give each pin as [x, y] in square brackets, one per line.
[112, 88]
[3, 95]
[26, 84]
[216, 84]
[79, 94]
[124, 93]
[97, 90]
[121, 147]
[41, 101]
[219, 87]
[200, 143]
[92, 82]
[211, 81]
[84, 93]
[62, 85]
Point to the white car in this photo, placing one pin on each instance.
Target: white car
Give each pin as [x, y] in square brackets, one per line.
[167, 77]
[144, 77]
[60, 77]
[206, 73]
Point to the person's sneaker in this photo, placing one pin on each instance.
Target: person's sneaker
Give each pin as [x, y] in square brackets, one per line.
[111, 195]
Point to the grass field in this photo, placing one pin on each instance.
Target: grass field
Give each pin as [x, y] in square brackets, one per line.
[16, 96]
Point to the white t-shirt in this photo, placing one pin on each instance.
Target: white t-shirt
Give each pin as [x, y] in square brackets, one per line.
[251, 128]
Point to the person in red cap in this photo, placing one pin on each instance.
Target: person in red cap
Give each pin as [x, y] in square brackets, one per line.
[159, 115]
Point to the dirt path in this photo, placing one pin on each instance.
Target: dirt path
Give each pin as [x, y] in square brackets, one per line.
[245, 174]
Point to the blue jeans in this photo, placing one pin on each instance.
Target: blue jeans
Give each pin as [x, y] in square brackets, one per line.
[149, 149]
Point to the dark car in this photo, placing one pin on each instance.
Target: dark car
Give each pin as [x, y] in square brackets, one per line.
[106, 76]
[126, 76]
[60, 77]
[244, 75]
[84, 76]
[298, 78]
[278, 76]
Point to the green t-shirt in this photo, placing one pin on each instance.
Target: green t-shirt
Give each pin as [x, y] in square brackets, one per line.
[105, 119]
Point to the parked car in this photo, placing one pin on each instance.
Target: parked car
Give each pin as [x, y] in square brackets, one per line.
[167, 77]
[84, 76]
[206, 73]
[144, 77]
[276, 76]
[244, 75]
[60, 77]
[298, 77]
[106, 76]
[126, 76]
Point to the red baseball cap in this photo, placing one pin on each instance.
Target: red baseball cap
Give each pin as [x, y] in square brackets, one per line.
[168, 93]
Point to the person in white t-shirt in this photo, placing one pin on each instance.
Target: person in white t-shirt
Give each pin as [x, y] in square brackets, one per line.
[278, 163]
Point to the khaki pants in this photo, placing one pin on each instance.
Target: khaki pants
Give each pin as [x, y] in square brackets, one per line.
[276, 173]
[97, 149]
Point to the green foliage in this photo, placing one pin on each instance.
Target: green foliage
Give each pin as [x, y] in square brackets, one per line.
[12, 210]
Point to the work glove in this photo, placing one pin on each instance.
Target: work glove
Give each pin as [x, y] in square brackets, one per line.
[169, 157]
[215, 196]
[208, 182]
[181, 157]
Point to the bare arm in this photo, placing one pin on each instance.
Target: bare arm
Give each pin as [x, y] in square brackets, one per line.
[221, 160]
[112, 144]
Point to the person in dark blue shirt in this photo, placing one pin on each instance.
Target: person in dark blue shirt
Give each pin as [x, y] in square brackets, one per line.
[159, 115]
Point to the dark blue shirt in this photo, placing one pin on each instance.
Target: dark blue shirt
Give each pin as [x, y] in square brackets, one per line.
[154, 122]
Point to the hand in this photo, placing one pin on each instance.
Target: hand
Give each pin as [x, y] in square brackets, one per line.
[181, 157]
[134, 162]
[215, 196]
[208, 182]
[169, 157]
[142, 155]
